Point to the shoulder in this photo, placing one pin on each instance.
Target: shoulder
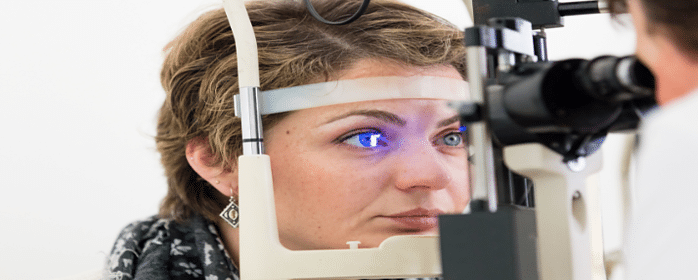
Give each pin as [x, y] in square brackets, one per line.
[668, 144]
[675, 116]
[156, 248]
[141, 239]
[669, 130]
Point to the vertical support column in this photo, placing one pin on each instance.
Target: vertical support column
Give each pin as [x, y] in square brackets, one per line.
[482, 173]
[563, 212]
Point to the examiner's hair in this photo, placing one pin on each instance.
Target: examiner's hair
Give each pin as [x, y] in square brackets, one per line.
[677, 18]
[199, 76]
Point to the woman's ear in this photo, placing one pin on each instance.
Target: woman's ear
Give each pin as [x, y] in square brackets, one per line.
[202, 160]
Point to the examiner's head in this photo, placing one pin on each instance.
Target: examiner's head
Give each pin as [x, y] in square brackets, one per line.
[667, 42]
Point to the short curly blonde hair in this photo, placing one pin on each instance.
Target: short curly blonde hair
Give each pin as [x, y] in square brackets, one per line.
[199, 75]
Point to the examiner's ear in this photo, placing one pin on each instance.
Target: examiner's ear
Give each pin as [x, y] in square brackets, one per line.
[202, 160]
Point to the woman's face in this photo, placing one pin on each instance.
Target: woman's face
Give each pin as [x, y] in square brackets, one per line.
[366, 171]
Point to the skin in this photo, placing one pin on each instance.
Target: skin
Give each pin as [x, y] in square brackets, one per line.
[330, 188]
[674, 69]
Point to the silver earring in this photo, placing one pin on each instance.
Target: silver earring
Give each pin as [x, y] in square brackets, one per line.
[231, 213]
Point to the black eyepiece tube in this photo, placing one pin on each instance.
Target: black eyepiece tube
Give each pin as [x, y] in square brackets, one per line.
[579, 8]
[617, 79]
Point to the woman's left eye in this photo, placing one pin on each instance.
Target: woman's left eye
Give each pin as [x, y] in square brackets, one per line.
[372, 139]
[453, 139]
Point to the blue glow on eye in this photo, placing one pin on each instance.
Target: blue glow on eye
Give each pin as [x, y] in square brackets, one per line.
[367, 140]
[463, 128]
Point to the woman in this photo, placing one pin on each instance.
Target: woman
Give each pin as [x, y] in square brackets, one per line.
[358, 171]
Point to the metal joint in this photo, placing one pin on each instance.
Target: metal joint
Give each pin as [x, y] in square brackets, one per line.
[251, 121]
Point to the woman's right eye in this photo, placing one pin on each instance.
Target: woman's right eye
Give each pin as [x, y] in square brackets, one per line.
[369, 139]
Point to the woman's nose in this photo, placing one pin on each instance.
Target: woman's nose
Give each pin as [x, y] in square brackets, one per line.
[420, 166]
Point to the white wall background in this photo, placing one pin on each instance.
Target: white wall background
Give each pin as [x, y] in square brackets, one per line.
[79, 90]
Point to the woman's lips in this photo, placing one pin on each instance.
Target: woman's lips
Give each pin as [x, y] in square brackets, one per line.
[418, 219]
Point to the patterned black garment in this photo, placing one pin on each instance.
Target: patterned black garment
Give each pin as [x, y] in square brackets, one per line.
[160, 249]
[156, 249]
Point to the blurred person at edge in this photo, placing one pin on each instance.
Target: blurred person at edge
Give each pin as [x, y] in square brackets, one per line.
[361, 171]
[661, 232]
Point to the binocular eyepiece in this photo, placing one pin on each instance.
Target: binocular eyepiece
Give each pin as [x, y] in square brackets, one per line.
[567, 105]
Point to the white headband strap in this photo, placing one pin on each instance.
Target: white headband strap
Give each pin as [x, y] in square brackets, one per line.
[364, 89]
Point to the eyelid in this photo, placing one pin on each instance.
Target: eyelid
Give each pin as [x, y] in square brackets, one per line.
[449, 130]
[355, 132]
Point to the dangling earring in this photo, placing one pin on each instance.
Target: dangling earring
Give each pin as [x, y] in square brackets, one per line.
[231, 213]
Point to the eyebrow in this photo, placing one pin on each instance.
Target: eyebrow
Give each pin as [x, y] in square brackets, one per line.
[388, 117]
[378, 114]
[449, 121]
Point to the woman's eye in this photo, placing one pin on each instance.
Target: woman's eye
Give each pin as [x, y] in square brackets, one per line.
[453, 139]
[372, 139]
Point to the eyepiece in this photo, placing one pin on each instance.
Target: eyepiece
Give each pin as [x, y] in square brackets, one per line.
[635, 76]
[617, 79]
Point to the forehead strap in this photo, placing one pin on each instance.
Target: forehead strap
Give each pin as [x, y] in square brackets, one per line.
[358, 90]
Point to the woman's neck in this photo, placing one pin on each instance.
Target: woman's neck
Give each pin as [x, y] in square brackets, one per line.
[231, 241]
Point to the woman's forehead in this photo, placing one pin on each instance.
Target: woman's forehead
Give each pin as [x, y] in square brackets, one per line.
[396, 111]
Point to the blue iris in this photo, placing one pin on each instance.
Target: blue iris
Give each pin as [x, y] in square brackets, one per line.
[453, 139]
[370, 139]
